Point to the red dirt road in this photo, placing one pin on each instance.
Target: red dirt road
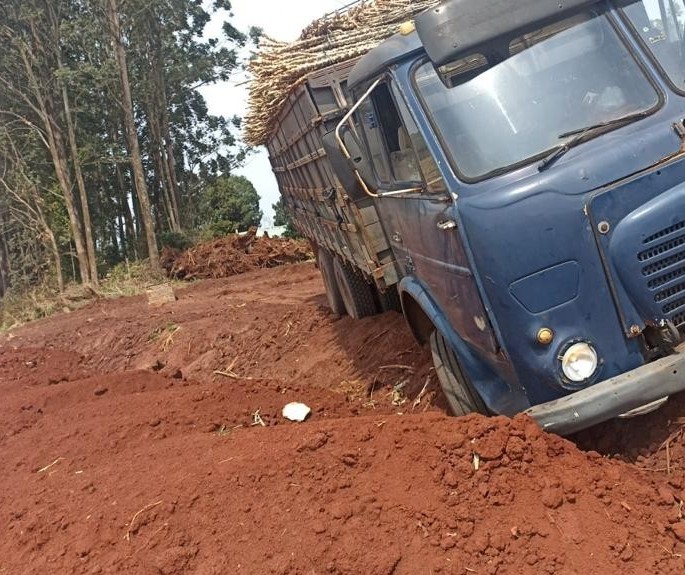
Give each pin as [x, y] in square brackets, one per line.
[149, 440]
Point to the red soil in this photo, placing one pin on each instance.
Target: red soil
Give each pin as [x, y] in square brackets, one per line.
[234, 254]
[131, 441]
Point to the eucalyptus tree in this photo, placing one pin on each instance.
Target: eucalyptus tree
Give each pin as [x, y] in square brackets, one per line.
[30, 95]
[114, 137]
[26, 213]
[171, 59]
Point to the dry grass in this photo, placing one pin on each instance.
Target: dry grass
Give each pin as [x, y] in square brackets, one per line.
[123, 280]
[129, 278]
[345, 34]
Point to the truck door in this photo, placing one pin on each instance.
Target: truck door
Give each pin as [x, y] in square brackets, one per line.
[422, 223]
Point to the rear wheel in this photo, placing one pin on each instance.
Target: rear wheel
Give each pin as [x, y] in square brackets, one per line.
[462, 398]
[325, 261]
[356, 293]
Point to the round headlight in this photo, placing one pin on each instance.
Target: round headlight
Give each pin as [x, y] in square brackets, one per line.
[579, 362]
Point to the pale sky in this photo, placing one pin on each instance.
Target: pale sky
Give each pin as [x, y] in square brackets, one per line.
[282, 21]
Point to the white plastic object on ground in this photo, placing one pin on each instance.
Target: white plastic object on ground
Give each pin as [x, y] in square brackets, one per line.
[296, 411]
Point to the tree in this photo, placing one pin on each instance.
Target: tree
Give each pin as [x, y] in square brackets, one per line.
[26, 81]
[26, 217]
[282, 217]
[113, 20]
[106, 144]
[229, 204]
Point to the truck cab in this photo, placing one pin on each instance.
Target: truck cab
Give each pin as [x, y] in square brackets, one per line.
[527, 163]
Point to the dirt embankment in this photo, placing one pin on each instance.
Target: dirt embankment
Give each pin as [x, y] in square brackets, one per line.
[136, 439]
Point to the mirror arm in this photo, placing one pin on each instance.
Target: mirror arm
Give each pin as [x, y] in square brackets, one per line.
[401, 192]
[342, 145]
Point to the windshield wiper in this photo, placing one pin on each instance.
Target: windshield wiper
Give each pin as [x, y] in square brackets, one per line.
[620, 120]
[580, 133]
[560, 151]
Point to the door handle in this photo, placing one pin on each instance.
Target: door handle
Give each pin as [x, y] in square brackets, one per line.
[446, 225]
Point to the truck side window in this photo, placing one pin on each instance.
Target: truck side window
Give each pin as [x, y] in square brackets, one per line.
[431, 175]
[367, 117]
[403, 160]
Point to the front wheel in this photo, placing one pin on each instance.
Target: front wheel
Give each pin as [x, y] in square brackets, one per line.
[462, 398]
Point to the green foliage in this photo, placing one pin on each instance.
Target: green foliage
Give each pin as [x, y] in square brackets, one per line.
[281, 215]
[50, 49]
[176, 240]
[291, 232]
[229, 204]
[255, 34]
[282, 218]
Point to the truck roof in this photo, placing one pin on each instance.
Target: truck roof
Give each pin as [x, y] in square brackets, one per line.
[456, 28]
[394, 49]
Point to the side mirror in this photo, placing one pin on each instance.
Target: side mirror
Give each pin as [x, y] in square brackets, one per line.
[357, 154]
[344, 167]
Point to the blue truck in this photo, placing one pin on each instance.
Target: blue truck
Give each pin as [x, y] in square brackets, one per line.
[510, 174]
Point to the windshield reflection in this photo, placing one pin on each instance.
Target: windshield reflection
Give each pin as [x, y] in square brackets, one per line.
[661, 25]
[559, 79]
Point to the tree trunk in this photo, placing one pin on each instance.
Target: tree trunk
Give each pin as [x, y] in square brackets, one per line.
[131, 134]
[162, 168]
[85, 210]
[131, 237]
[4, 259]
[54, 248]
[171, 166]
[159, 120]
[141, 246]
[125, 210]
[58, 156]
[76, 160]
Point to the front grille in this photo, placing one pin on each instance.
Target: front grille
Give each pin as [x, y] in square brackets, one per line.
[669, 230]
[662, 248]
[666, 278]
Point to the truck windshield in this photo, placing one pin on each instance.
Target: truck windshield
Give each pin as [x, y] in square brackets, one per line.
[661, 25]
[555, 83]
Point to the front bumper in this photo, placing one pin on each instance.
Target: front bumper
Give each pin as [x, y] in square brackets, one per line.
[613, 397]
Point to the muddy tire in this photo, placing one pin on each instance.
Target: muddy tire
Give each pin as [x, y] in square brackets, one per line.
[462, 398]
[325, 263]
[357, 294]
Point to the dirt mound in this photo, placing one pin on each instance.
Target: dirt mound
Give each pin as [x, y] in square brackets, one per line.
[233, 255]
[34, 367]
[149, 440]
[379, 495]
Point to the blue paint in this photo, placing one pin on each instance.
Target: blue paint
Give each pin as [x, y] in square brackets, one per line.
[533, 292]
[527, 253]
